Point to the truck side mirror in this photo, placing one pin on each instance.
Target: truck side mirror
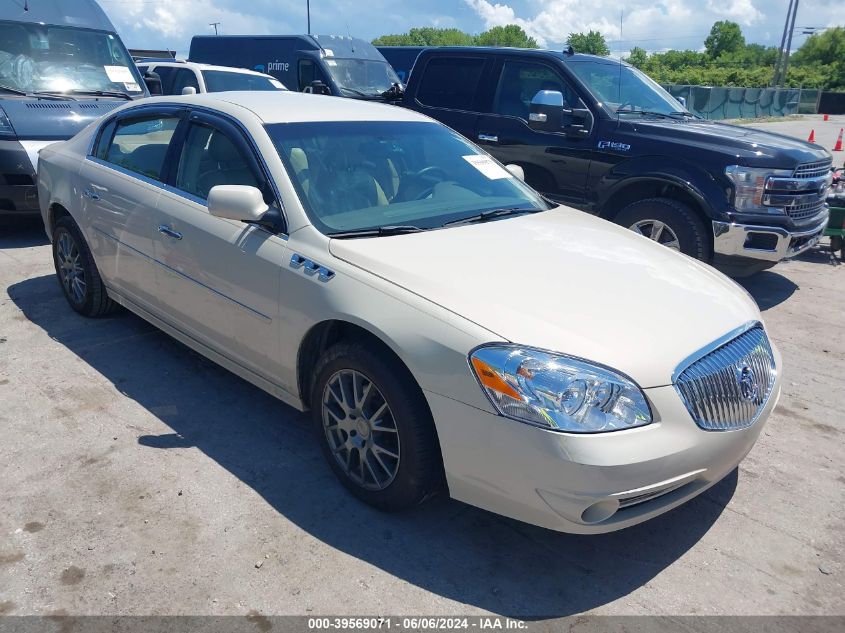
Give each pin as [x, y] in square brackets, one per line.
[317, 87]
[189, 90]
[153, 82]
[546, 113]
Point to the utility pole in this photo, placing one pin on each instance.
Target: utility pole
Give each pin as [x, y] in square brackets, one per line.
[789, 42]
[215, 25]
[308, 11]
[776, 77]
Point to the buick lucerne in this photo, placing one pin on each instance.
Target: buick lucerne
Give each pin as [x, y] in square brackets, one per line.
[447, 327]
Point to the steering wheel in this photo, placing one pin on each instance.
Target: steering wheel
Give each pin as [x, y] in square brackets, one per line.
[432, 174]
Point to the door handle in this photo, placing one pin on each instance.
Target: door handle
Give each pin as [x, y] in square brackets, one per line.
[166, 230]
[90, 194]
[491, 138]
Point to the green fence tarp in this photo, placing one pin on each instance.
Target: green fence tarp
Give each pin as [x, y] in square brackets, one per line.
[716, 102]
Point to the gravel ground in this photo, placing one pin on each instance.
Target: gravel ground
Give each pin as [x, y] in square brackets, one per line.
[138, 478]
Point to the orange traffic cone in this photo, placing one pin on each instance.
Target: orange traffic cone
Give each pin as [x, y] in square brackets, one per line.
[827, 117]
[838, 146]
[812, 138]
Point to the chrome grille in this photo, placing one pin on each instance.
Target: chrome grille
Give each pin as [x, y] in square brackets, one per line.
[803, 211]
[727, 388]
[813, 170]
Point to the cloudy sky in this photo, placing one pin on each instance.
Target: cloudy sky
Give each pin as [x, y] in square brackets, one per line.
[652, 24]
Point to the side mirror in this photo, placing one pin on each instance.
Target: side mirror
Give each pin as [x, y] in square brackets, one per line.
[236, 202]
[682, 101]
[577, 122]
[317, 87]
[153, 82]
[516, 171]
[546, 113]
[189, 90]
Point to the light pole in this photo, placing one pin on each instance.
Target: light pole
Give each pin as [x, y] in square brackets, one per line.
[215, 25]
[308, 12]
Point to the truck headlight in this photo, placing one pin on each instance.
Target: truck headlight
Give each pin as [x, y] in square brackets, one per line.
[558, 392]
[6, 128]
[750, 185]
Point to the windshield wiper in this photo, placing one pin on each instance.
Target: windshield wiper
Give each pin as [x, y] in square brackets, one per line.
[360, 93]
[665, 115]
[37, 95]
[103, 93]
[485, 216]
[379, 231]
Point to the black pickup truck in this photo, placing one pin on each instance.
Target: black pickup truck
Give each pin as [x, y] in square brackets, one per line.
[599, 135]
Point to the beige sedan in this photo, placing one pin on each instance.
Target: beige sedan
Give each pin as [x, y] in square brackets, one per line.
[448, 328]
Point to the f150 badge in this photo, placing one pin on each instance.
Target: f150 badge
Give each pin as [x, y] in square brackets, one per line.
[619, 147]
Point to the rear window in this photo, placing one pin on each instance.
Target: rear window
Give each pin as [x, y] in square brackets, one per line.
[221, 81]
[450, 82]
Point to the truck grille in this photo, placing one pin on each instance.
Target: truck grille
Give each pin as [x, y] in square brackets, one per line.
[804, 211]
[813, 170]
[727, 388]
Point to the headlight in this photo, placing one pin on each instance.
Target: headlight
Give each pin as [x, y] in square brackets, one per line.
[6, 128]
[558, 392]
[749, 187]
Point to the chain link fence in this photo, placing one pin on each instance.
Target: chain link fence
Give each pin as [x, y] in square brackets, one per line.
[713, 102]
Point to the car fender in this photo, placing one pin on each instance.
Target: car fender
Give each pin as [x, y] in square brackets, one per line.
[697, 182]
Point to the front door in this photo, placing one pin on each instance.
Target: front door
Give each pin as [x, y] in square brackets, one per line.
[554, 164]
[218, 279]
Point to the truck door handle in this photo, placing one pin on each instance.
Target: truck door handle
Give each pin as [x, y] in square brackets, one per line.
[492, 138]
[166, 230]
[90, 194]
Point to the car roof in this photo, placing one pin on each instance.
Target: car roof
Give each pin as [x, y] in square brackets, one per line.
[199, 66]
[506, 50]
[294, 107]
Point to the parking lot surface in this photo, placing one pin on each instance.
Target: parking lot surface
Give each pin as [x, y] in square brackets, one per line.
[137, 477]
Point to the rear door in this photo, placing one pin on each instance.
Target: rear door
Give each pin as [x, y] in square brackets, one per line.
[453, 89]
[554, 164]
[121, 181]
[219, 279]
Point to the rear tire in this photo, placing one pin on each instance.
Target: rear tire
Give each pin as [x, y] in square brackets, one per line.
[76, 271]
[374, 427]
[669, 222]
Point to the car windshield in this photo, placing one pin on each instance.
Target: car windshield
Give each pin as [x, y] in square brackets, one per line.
[43, 58]
[362, 76]
[624, 89]
[221, 81]
[365, 175]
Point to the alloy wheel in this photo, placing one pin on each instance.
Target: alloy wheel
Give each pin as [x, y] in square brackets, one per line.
[69, 264]
[360, 429]
[658, 231]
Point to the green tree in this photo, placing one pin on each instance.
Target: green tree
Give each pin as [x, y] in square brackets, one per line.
[510, 35]
[725, 37]
[638, 57]
[427, 36]
[592, 43]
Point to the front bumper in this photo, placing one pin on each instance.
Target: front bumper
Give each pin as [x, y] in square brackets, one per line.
[586, 484]
[767, 243]
[18, 191]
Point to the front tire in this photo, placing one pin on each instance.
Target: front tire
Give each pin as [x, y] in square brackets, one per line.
[374, 427]
[670, 223]
[76, 271]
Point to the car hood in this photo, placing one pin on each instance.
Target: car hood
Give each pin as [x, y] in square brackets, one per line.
[756, 147]
[49, 119]
[569, 282]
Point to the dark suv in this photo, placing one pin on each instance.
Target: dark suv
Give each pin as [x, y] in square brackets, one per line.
[601, 136]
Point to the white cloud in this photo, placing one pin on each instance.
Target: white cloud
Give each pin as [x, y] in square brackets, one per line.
[551, 21]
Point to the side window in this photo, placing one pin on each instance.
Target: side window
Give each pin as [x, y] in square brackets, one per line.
[520, 81]
[140, 144]
[450, 82]
[308, 72]
[165, 73]
[104, 141]
[209, 158]
[183, 78]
